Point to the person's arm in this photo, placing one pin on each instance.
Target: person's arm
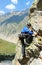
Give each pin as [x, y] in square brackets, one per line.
[30, 32]
[25, 29]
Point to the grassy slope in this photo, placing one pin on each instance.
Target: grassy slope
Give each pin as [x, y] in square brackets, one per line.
[6, 48]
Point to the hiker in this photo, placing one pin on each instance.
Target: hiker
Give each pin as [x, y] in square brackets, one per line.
[26, 37]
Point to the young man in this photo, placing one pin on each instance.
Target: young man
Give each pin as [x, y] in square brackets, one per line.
[26, 37]
[26, 29]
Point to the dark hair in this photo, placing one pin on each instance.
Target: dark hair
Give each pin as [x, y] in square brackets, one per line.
[28, 24]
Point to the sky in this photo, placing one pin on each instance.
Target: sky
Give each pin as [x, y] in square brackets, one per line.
[14, 5]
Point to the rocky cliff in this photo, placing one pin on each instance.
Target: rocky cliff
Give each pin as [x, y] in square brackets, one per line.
[39, 5]
[34, 51]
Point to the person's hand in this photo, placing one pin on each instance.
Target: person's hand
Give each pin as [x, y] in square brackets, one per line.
[36, 35]
[31, 30]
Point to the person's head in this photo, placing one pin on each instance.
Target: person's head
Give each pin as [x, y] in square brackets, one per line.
[28, 25]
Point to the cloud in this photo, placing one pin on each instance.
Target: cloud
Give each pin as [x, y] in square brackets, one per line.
[2, 12]
[14, 1]
[27, 3]
[10, 6]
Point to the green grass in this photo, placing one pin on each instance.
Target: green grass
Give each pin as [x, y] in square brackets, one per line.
[6, 48]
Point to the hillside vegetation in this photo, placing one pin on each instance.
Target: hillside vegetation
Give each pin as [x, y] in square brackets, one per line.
[6, 48]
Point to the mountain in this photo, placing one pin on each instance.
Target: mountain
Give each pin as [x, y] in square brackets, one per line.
[13, 22]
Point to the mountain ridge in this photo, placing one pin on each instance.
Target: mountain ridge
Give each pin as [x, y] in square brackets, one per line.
[13, 22]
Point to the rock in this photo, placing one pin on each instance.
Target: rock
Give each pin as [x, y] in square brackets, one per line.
[33, 54]
[39, 46]
[34, 5]
[18, 53]
[36, 15]
[32, 51]
[37, 61]
[15, 62]
[40, 32]
[34, 18]
[40, 55]
[39, 5]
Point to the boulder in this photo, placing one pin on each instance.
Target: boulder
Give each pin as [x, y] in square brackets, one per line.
[37, 61]
[39, 5]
